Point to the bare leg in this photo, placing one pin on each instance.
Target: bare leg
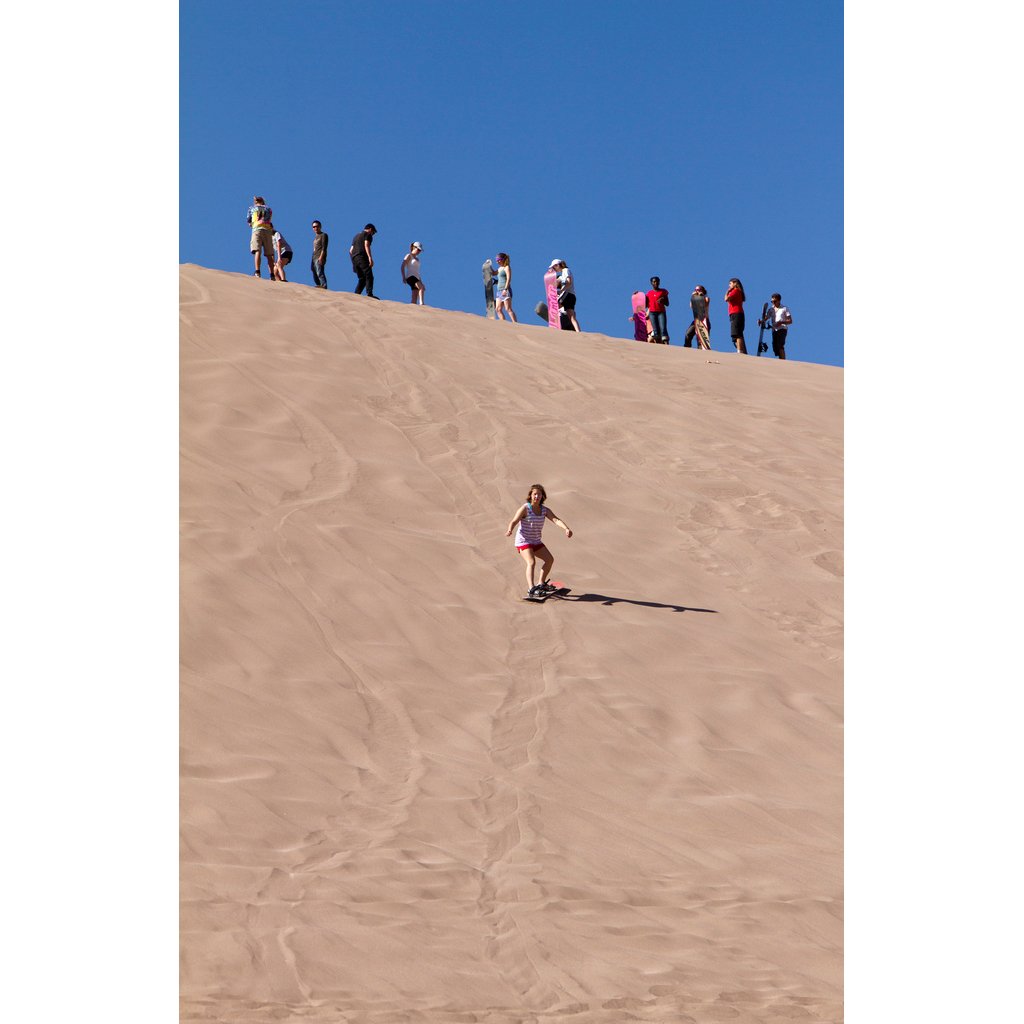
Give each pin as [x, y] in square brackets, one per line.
[511, 314]
[531, 561]
[548, 560]
[422, 291]
[741, 345]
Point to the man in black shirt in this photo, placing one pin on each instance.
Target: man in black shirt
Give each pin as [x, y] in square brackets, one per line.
[362, 260]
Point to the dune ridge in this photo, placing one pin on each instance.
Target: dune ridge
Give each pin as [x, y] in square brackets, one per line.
[408, 795]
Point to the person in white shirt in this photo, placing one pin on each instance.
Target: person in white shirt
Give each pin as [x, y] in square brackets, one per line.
[566, 294]
[411, 273]
[282, 257]
[778, 318]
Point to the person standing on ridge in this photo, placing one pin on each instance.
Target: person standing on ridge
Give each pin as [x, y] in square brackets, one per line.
[566, 296]
[282, 257]
[259, 219]
[778, 318]
[411, 272]
[504, 289]
[657, 301]
[362, 260]
[734, 299]
[699, 307]
[530, 518]
[319, 260]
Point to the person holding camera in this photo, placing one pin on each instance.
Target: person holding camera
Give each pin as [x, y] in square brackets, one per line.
[699, 308]
[734, 299]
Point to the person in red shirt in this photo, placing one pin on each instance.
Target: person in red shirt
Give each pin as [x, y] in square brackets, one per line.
[734, 298]
[657, 300]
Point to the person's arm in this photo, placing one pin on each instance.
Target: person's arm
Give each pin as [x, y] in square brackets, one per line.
[323, 251]
[508, 277]
[366, 246]
[515, 519]
[558, 522]
[666, 298]
[405, 260]
[787, 318]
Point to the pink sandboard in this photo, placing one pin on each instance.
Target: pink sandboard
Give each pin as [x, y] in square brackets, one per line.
[639, 316]
[551, 287]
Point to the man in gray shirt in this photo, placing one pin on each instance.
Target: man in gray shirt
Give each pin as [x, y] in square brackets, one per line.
[319, 255]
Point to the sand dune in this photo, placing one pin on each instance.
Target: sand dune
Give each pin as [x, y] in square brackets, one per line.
[407, 795]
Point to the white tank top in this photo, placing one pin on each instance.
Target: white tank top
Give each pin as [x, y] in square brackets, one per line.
[530, 526]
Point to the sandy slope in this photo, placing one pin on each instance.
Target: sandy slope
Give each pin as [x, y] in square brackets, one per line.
[408, 795]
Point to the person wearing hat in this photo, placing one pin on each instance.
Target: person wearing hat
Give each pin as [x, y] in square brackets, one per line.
[566, 296]
[411, 272]
[362, 260]
[657, 300]
[282, 257]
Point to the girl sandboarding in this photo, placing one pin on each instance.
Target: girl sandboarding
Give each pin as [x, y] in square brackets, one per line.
[530, 518]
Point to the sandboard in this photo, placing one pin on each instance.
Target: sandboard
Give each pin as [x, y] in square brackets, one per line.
[640, 326]
[700, 328]
[541, 309]
[489, 275]
[761, 346]
[560, 591]
[551, 289]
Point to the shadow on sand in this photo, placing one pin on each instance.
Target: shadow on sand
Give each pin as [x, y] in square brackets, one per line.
[605, 599]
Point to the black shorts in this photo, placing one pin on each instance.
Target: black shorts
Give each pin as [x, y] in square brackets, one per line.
[286, 258]
[568, 302]
[737, 321]
[413, 282]
[779, 341]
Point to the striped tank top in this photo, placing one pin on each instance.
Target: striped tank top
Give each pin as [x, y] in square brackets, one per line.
[530, 526]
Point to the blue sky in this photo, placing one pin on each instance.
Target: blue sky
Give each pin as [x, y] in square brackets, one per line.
[694, 141]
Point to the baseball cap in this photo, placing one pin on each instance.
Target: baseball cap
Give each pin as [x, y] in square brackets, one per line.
[416, 245]
[555, 263]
